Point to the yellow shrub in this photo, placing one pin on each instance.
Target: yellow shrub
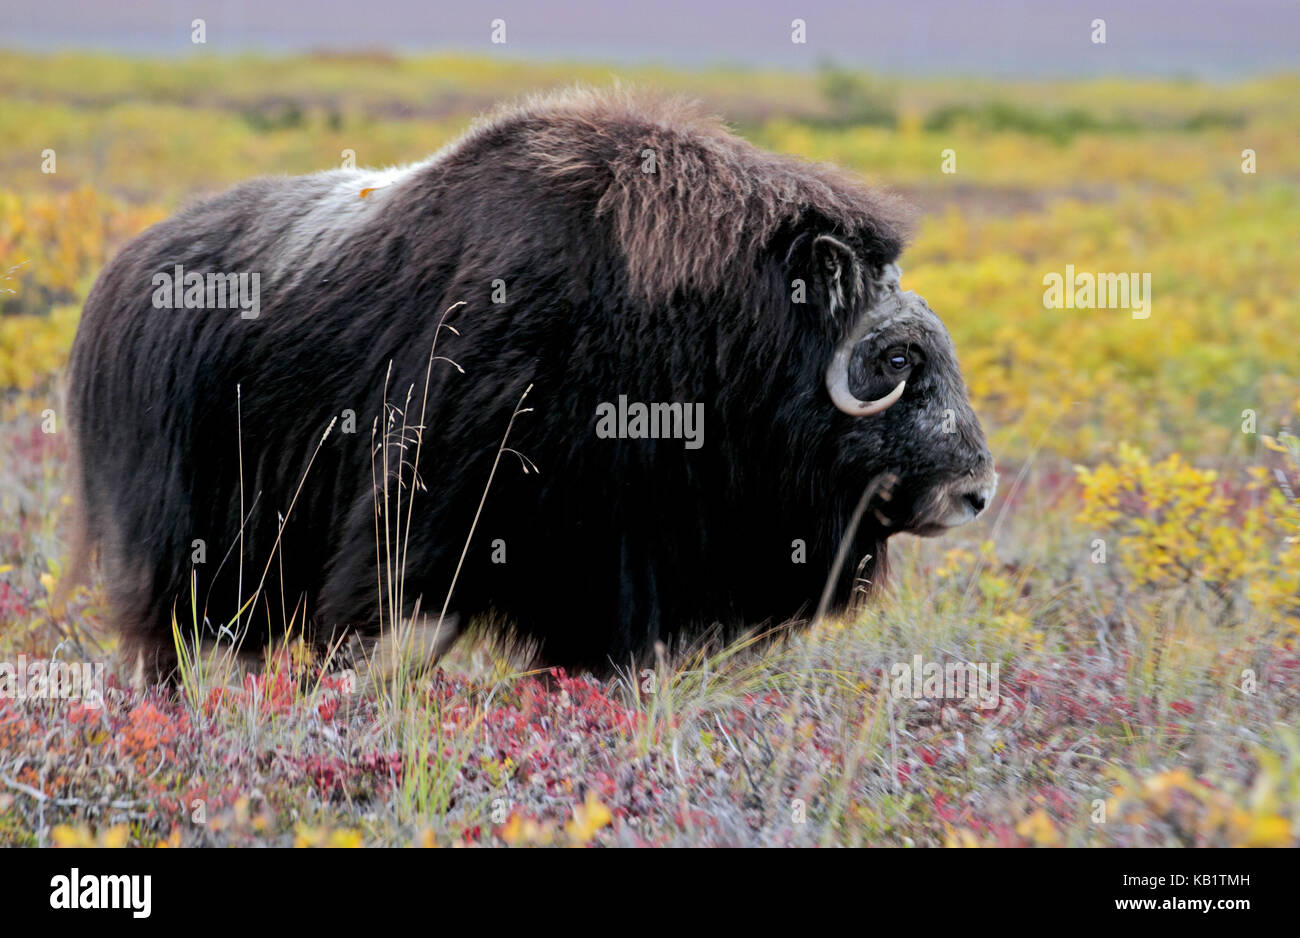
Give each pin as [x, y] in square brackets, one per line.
[1178, 524]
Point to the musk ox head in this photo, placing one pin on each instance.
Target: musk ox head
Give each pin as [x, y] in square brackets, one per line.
[894, 374]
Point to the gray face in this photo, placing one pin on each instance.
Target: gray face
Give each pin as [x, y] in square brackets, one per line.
[896, 375]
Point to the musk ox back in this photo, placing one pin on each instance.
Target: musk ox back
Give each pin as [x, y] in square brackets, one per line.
[734, 404]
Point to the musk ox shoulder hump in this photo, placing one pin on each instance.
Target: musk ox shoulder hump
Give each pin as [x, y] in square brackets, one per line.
[691, 203]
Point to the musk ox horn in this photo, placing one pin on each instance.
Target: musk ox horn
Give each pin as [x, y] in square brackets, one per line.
[837, 383]
[837, 373]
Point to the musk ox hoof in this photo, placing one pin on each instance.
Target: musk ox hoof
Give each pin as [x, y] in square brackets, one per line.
[408, 651]
[214, 664]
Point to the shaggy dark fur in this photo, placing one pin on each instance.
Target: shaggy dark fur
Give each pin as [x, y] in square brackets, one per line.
[667, 286]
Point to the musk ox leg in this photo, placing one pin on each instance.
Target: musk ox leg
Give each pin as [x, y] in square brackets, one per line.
[410, 650]
[146, 649]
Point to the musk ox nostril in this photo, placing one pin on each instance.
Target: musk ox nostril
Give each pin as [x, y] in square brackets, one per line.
[976, 500]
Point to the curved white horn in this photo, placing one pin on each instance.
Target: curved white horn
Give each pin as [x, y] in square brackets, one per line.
[837, 383]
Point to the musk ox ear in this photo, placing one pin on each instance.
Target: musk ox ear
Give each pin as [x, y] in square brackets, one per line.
[834, 266]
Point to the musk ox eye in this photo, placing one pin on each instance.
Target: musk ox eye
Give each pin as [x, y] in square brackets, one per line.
[897, 359]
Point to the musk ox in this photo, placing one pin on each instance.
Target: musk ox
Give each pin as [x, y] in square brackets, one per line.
[646, 273]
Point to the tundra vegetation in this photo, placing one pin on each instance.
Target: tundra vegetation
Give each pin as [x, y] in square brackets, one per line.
[1136, 582]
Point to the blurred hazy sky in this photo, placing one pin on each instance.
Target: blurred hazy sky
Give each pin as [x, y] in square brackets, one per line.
[1208, 38]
